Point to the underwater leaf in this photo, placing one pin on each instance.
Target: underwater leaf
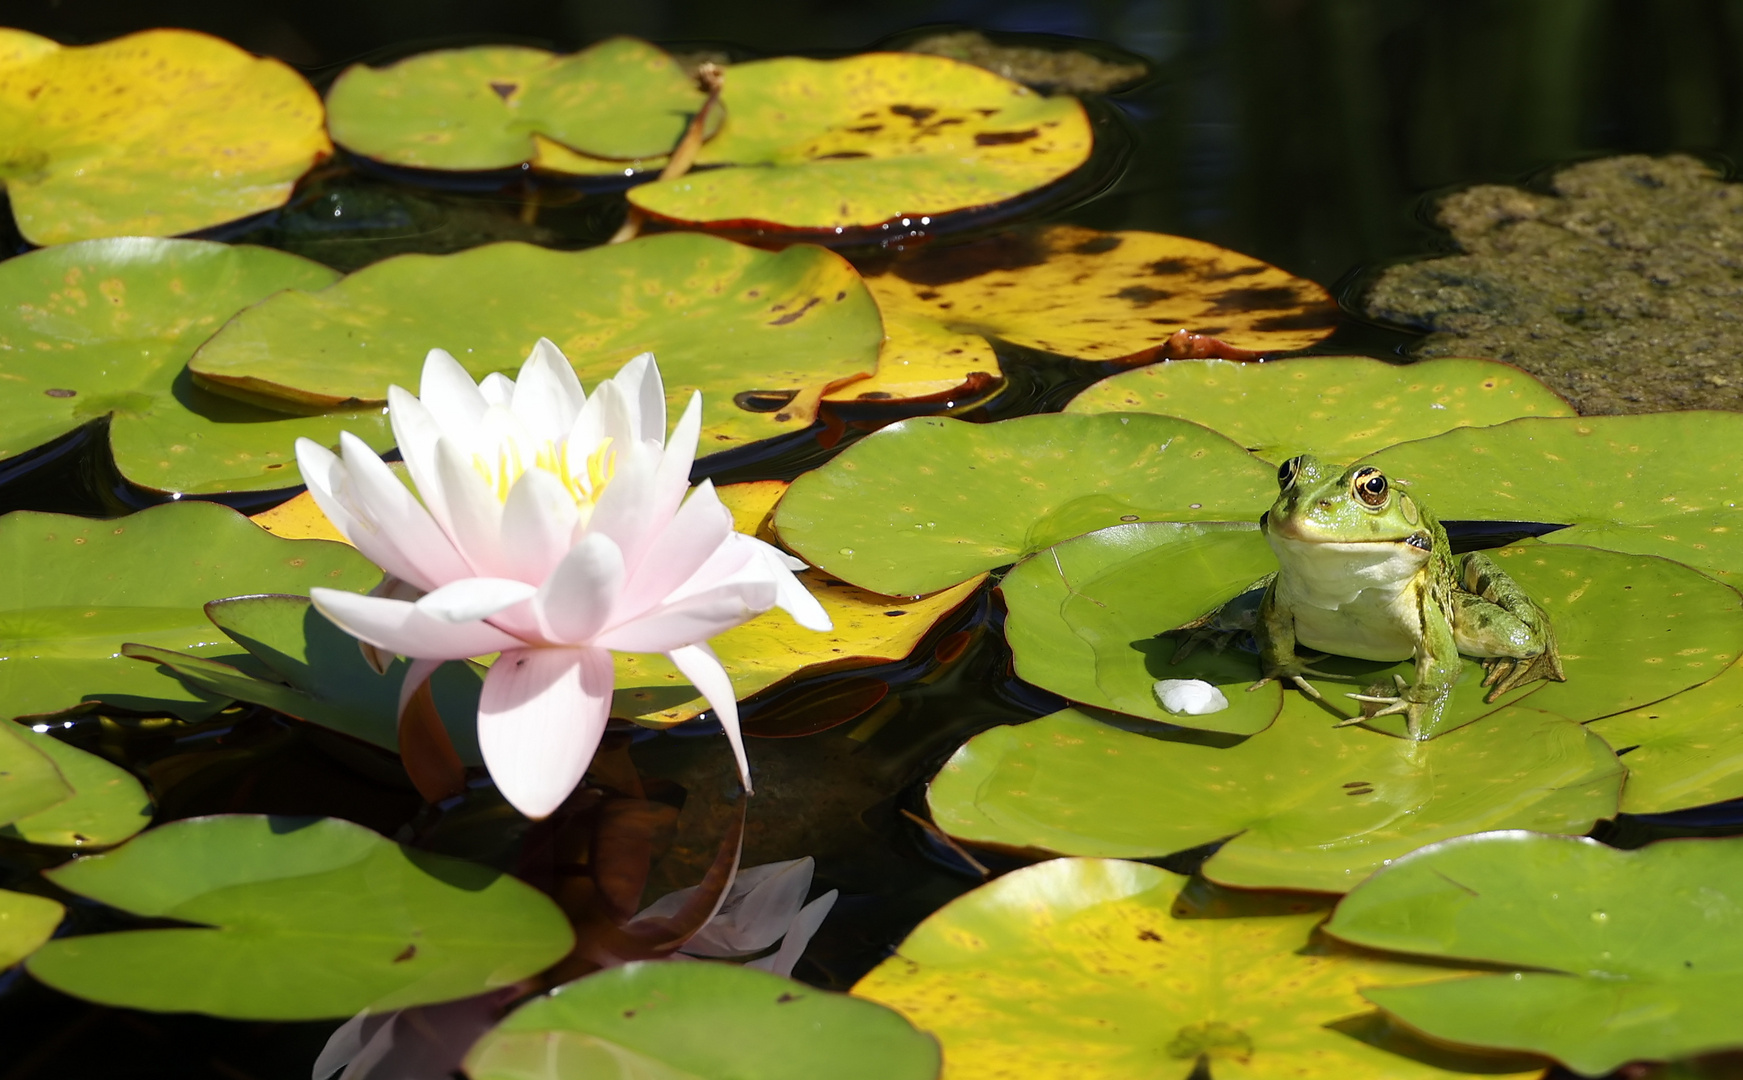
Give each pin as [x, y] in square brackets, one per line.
[686, 1021]
[1084, 615]
[482, 107]
[1684, 751]
[1096, 969]
[107, 804]
[864, 140]
[297, 919]
[80, 588]
[1625, 955]
[26, 922]
[868, 629]
[927, 503]
[1661, 484]
[1335, 407]
[1304, 804]
[315, 672]
[105, 328]
[30, 782]
[723, 318]
[152, 134]
[1112, 296]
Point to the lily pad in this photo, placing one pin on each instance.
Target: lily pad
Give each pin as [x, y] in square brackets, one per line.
[81, 588]
[1163, 978]
[312, 670]
[927, 503]
[868, 139]
[482, 107]
[920, 356]
[675, 1021]
[152, 134]
[723, 318]
[1084, 615]
[869, 629]
[1661, 484]
[297, 919]
[1303, 804]
[1336, 407]
[1684, 751]
[25, 923]
[29, 780]
[105, 328]
[1108, 296]
[1624, 955]
[107, 804]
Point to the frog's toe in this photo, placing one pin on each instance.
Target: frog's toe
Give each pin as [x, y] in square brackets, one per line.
[1306, 687]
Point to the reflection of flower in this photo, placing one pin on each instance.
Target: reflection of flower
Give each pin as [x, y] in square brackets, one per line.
[553, 528]
[765, 904]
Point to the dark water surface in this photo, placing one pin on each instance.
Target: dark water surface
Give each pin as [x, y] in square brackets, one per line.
[1311, 135]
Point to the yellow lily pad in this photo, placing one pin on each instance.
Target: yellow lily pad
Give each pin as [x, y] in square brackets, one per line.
[1338, 407]
[869, 139]
[920, 356]
[498, 106]
[870, 628]
[153, 134]
[1127, 297]
[1098, 969]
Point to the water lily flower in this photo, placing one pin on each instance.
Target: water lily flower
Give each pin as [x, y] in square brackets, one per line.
[552, 528]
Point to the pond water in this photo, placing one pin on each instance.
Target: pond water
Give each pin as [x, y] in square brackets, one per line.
[1314, 136]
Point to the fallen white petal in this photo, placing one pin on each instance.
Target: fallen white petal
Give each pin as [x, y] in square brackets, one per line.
[1190, 697]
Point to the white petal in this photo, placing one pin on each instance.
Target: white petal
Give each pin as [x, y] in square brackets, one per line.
[1190, 697]
[347, 1041]
[449, 393]
[579, 596]
[699, 664]
[497, 389]
[540, 718]
[798, 936]
[690, 620]
[672, 479]
[617, 417]
[679, 548]
[626, 511]
[644, 394]
[417, 673]
[399, 627]
[473, 516]
[471, 599]
[538, 525]
[547, 395]
[416, 433]
[425, 556]
[791, 594]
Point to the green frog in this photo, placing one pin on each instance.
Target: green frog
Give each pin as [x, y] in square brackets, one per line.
[1366, 571]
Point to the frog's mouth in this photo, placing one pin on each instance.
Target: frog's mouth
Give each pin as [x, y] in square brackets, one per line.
[1292, 531]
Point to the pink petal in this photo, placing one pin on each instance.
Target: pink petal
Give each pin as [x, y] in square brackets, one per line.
[475, 598]
[416, 433]
[540, 719]
[469, 512]
[417, 673]
[427, 555]
[579, 596]
[538, 525]
[626, 510]
[399, 627]
[798, 935]
[690, 620]
[699, 664]
[449, 393]
[681, 548]
[764, 902]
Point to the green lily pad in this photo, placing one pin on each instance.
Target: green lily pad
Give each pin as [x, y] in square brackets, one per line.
[25, 923]
[481, 107]
[81, 588]
[299, 919]
[1084, 615]
[1305, 805]
[155, 133]
[1660, 484]
[29, 780]
[926, 503]
[1336, 407]
[312, 670]
[1626, 955]
[105, 328]
[722, 318]
[1162, 977]
[673, 1021]
[1684, 751]
[862, 140]
[107, 804]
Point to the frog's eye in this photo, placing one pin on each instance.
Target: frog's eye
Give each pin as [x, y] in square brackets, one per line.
[1287, 472]
[1370, 487]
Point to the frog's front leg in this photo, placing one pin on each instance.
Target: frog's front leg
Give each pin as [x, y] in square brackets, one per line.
[1495, 621]
[1275, 632]
[1437, 668]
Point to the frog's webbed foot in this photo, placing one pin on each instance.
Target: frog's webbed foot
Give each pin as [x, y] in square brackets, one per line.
[1504, 673]
[1401, 702]
[1295, 674]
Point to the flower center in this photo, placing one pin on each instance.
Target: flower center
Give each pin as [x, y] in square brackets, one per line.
[585, 486]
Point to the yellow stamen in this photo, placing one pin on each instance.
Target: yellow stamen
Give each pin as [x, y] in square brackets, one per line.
[585, 490]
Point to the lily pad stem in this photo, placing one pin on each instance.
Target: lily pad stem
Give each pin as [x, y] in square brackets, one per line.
[711, 78]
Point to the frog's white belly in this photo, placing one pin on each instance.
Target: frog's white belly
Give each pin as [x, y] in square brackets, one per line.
[1358, 600]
